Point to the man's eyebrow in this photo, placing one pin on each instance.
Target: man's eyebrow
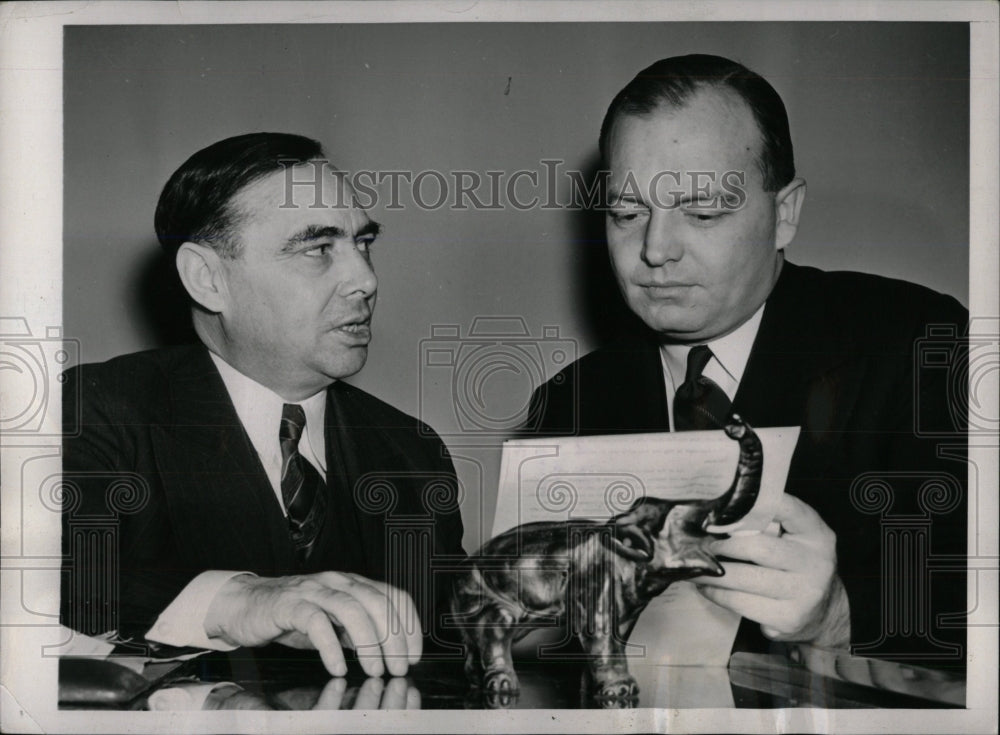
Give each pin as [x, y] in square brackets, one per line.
[617, 196]
[371, 227]
[699, 197]
[319, 232]
[714, 195]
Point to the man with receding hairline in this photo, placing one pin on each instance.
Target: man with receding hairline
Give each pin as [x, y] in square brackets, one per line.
[733, 327]
[253, 460]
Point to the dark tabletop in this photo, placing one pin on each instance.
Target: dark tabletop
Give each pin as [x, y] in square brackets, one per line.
[285, 679]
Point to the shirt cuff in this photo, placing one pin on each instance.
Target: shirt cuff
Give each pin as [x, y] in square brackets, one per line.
[182, 623]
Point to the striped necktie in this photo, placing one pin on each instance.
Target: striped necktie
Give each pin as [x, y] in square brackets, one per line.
[700, 403]
[302, 488]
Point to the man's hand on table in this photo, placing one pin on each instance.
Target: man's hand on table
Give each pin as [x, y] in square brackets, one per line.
[789, 584]
[374, 693]
[325, 611]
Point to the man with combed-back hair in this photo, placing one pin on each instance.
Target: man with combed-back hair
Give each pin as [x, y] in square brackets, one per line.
[265, 485]
[703, 200]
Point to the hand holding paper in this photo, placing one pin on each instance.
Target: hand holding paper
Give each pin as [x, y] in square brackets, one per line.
[789, 582]
[596, 477]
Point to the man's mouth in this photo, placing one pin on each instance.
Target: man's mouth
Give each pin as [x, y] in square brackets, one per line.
[665, 284]
[361, 328]
[354, 328]
[668, 289]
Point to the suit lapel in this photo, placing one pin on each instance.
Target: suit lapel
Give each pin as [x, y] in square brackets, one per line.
[350, 541]
[624, 392]
[801, 373]
[220, 500]
[649, 391]
[790, 378]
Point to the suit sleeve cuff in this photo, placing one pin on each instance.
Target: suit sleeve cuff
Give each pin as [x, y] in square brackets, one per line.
[182, 623]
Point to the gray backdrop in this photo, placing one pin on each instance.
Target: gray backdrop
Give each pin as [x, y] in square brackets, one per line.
[879, 115]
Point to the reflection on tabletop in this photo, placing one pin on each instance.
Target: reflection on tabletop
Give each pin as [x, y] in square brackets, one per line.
[335, 694]
[883, 675]
[278, 678]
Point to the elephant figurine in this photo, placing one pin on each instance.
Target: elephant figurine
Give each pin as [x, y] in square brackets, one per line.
[597, 576]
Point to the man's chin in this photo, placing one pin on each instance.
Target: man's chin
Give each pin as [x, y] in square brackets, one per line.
[346, 363]
[674, 323]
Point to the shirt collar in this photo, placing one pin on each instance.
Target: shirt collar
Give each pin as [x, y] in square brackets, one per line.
[732, 351]
[259, 410]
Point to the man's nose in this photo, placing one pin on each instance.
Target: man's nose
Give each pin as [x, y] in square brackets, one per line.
[662, 243]
[357, 275]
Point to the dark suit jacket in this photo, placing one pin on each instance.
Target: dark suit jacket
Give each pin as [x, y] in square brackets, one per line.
[162, 483]
[839, 355]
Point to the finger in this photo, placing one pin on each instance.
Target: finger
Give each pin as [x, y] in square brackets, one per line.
[819, 661]
[370, 693]
[391, 643]
[762, 610]
[332, 696]
[755, 580]
[312, 621]
[406, 615]
[348, 612]
[295, 639]
[246, 700]
[413, 698]
[411, 623]
[409, 620]
[797, 517]
[888, 676]
[766, 551]
[298, 698]
[394, 696]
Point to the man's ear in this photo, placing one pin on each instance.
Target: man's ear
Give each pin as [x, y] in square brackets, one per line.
[788, 206]
[200, 270]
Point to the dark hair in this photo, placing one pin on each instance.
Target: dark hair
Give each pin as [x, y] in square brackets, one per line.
[195, 206]
[672, 82]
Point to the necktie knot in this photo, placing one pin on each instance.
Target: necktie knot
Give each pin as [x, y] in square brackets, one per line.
[698, 358]
[293, 423]
[699, 403]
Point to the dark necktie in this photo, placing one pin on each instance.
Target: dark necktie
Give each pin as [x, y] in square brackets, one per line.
[700, 403]
[302, 488]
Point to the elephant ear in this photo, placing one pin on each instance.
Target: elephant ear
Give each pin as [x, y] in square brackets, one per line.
[633, 543]
[631, 535]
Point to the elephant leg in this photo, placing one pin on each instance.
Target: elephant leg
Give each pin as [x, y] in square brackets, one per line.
[486, 623]
[495, 631]
[597, 629]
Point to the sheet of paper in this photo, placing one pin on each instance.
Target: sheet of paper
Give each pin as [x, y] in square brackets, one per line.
[689, 687]
[601, 476]
[683, 628]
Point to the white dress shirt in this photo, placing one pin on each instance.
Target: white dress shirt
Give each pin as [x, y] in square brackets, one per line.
[730, 355]
[259, 409]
